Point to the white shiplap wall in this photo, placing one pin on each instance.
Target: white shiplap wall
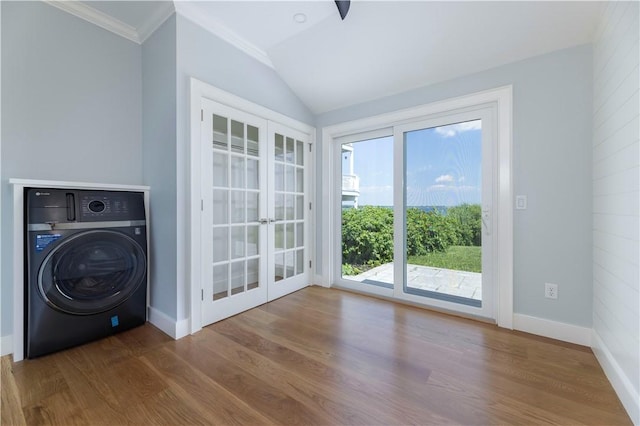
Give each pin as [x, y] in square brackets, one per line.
[616, 201]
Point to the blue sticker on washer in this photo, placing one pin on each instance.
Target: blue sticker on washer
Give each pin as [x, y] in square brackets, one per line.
[114, 321]
[43, 240]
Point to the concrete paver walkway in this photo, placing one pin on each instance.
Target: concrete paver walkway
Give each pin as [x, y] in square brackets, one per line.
[456, 283]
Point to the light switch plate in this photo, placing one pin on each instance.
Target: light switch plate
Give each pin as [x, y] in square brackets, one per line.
[521, 202]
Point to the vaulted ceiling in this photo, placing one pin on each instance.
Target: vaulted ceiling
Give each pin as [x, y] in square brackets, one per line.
[382, 47]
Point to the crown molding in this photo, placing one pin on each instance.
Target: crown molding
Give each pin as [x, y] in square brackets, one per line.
[154, 21]
[96, 17]
[187, 9]
[109, 23]
[192, 12]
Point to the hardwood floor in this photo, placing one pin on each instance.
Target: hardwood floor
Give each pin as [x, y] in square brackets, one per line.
[318, 356]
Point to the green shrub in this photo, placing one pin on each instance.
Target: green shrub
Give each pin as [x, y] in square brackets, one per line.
[428, 232]
[348, 269]
[367, 236]
[468, 224]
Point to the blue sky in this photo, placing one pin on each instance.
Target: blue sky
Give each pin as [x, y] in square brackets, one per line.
[443, 167]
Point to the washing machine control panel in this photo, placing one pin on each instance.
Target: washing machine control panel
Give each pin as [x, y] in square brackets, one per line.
[108, 206]
[60, 206]
[93, 206]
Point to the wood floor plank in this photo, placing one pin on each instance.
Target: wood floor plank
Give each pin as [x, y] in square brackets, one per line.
[10, 408]
[317, 356]
[218, 405]
[259, 394]
[327, 401]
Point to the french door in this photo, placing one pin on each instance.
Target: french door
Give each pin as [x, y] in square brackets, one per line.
[416, 210]
[253, 220]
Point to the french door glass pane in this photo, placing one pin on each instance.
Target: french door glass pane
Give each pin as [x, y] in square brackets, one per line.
[290, 178]
[220, 206]
[290, 264]
[289, 150]
[237, 172]
[220, 132]
[253, 199]
[279, 177]
[279, 267]
[237, 207]
[279, 206]
[300, 235]
[220, 244]
[237, 277]
[279, 147]
[220, 281]
[253, 173]
[237, 136]
[367, 211]
[220, 170]
[237, 242]
[443, 181]
[253, 240]
[253, 272]
[290, 235]
[279, 236]
[253, 141]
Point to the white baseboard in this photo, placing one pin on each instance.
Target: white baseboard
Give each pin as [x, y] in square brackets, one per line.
[6, 345]
[182, 328]
[319, 281]
[552, 329]
[629, 397]
[175, 329]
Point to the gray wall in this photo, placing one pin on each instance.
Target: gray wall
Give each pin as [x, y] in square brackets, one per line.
[616, 201]
[552, 99]
[159, 161]
[71, 104]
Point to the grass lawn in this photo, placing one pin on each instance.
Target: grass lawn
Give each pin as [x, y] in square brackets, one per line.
[459, 258]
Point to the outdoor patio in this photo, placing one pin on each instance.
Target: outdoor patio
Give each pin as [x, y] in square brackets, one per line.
[456, 283]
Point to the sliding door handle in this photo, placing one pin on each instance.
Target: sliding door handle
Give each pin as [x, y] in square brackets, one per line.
[485, 216]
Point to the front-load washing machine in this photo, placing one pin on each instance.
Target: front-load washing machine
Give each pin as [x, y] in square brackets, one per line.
[86, 266]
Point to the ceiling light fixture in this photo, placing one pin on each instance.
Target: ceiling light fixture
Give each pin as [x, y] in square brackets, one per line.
[300, 18]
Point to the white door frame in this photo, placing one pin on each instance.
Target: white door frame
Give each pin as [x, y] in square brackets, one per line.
[200, 90]
[503, 203]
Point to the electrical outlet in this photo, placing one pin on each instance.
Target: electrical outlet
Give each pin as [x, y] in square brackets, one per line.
[550, 291]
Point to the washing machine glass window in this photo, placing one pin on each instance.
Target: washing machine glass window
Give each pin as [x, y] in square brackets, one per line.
[92, 272]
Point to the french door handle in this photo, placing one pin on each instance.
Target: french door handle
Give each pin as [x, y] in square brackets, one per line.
[265, 221]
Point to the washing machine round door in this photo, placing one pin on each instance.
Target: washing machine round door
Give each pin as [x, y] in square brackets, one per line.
[92, 272]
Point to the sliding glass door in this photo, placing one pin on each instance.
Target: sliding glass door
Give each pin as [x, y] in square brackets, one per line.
[416, 212]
